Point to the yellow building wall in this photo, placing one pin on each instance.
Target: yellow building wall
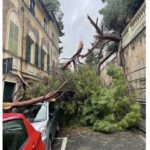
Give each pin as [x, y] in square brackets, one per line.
[27, 2]
[30, 71]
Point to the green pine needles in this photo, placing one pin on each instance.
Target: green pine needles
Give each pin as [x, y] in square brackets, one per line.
[104, 108]
[110, 109]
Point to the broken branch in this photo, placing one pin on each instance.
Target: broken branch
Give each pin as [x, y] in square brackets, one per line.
[47, 97]
[90, 50]
[99, 31]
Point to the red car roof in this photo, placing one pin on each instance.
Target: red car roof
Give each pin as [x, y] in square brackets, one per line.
[11, 116]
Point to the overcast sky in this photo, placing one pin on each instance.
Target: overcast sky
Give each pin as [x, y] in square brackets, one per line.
[76, 24]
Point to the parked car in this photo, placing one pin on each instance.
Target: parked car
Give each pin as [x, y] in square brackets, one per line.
[44, 118]
[19, 134]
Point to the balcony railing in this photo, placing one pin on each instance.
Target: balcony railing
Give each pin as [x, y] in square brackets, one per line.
[136, 25]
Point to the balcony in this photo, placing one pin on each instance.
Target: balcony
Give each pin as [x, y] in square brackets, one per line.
[136, 25]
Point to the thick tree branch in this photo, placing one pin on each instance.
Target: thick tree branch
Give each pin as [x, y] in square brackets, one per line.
[108, 37]
[49, 97]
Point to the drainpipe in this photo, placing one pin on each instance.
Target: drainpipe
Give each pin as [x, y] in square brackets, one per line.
[22, 39]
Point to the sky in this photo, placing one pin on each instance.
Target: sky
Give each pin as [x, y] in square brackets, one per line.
[76, 25]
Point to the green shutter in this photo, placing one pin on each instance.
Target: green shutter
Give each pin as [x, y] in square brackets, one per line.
[42, 59]
[48, 66]
[11, 28]
[36, 54]
[28, 49]
[13, 37]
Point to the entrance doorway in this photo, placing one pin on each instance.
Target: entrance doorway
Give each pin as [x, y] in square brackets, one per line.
[8, 91]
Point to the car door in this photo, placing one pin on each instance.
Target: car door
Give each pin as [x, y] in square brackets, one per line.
[53, 120]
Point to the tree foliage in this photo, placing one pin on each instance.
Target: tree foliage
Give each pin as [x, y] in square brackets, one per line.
[117, 13]
[110, 109]
[54, 7]
[105, 109]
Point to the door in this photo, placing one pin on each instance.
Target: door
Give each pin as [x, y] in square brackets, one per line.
[8, 91]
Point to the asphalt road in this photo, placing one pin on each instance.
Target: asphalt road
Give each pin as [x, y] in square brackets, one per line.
[86, 139]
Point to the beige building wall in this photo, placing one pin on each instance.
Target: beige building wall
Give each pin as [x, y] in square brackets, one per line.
[134, 45]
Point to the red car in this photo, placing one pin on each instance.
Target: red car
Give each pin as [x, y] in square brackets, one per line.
[18, 133]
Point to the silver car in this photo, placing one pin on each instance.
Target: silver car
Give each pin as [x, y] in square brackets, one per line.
[44, 118]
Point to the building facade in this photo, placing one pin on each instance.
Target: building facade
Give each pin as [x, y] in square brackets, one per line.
[30, 43]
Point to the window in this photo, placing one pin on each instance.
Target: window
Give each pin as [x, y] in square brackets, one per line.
[29, 43]
[45, 24]
[14, 134]
[45, 61]
[7, 65]
[48, 65]
[8, 96]
[42, 59]
[36, 54]
[13, 37]
[32, 6]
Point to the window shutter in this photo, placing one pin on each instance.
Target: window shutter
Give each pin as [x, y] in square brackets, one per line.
[28, 49]
[10, 63]
[11, 29]
[13, 37]
[42, 59]
[32, 6]
[4, 66]
[48, 65]
[16, 38]
[36, 54]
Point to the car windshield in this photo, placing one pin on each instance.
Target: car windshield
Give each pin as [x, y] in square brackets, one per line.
[34, 113]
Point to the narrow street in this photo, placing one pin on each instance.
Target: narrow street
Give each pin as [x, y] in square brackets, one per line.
[86, 139]
[71, 63]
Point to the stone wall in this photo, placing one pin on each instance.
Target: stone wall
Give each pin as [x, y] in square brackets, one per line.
[134, 51]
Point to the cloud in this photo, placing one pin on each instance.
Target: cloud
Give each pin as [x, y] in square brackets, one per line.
[76, 24]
